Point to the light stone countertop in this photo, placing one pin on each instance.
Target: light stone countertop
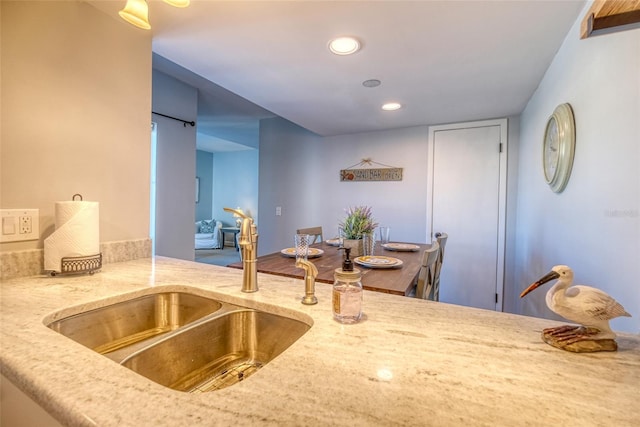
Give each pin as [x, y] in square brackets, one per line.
[408, 362]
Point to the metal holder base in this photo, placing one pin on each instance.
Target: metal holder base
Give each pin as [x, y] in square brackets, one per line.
[80, 265]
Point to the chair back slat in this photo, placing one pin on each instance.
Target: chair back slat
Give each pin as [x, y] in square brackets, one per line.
[313, 231]
[426, 275]
[441, 238]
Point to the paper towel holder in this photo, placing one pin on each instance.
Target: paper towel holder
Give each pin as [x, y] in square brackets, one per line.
[79, 265]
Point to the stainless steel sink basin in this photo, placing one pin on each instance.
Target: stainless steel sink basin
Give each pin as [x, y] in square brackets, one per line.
[217, 353]
[126, 323]
[183, 341]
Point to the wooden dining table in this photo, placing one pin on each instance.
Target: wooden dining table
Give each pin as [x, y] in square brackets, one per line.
[398, 280]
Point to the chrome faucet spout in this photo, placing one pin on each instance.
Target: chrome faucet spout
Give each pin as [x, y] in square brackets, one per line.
[248, 242]
[310, 273]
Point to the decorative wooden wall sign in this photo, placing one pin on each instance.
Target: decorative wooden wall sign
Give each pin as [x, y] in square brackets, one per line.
[387, 173]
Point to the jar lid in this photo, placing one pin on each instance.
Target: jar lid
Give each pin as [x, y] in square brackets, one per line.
[347, 275]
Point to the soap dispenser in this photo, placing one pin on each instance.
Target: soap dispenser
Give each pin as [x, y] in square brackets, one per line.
[347, 291]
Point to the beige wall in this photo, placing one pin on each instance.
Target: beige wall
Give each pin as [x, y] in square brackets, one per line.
[76, 102]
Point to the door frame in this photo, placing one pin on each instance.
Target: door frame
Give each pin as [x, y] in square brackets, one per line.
[502, 191]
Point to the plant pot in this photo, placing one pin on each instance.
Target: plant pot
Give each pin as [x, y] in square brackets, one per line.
[355, 245]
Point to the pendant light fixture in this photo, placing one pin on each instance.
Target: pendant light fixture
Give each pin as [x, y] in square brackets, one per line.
[178, 3]
[136, 12]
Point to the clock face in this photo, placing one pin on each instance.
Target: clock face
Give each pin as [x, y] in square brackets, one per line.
[558, 148]
[551, 150]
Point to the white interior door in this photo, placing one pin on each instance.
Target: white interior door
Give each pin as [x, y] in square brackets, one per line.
[467, 199]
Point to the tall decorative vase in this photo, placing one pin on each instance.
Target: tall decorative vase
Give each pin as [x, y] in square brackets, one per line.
[355, 245]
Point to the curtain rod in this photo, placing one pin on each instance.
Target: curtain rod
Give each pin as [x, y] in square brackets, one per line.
[184, 122]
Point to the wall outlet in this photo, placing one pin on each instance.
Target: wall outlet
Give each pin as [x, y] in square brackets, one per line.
[278, 211]
[20, 224]
[25, 224]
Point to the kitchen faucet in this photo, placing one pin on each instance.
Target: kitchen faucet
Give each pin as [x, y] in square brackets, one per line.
[248, 243]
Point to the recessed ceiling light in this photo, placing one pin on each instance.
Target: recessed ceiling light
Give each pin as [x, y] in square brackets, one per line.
[371, 83]
[390, 106]
[344, 45]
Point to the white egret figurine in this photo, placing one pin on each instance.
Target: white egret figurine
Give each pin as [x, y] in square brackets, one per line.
[589, 307]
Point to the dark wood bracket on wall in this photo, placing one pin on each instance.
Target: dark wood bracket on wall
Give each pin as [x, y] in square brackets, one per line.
[608, 16]
[184, 122]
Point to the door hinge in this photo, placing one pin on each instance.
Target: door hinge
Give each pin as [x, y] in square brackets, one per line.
[496, 298]
[500, 148]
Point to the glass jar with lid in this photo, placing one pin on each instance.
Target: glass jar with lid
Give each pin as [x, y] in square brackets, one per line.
[347, 292]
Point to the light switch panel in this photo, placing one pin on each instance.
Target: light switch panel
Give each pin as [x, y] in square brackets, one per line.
[8, 225]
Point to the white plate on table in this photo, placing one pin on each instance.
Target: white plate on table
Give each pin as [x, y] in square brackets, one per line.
[291, 252]
[373, 261]
[400, 247]
[332, 242]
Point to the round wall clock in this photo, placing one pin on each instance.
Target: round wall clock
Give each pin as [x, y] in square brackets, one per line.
[558, 147]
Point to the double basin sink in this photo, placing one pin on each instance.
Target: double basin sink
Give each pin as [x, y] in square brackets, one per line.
[187, 342]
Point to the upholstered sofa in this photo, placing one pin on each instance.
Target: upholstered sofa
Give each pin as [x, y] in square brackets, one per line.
[208, 234]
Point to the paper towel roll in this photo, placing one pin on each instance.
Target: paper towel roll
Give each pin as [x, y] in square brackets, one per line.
[77, 233]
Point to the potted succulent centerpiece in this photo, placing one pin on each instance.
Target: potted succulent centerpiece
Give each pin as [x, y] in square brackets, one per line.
[358, 222]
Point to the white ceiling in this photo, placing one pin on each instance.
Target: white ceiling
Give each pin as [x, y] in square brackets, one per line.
[226, 121]
[445, 61]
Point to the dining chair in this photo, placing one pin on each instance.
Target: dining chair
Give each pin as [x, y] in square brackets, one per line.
[441, 238]
[313, 231]
[427, 272]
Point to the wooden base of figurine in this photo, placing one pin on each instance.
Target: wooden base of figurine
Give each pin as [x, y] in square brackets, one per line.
[577, 339]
